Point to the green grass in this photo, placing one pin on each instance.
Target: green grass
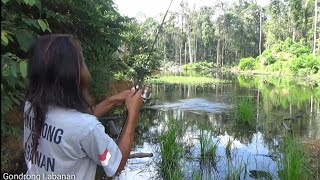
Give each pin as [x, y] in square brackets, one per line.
[294, 164]
[246, 111]
[197, 176]
[171, 152]
[235, 171]
[187, 80]
[207, 147]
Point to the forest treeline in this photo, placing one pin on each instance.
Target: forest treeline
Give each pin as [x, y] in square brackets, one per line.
[116, 47]
[225, 33]
[283, 34]
[111, 43]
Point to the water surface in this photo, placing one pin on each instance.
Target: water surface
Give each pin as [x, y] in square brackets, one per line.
[213, 110]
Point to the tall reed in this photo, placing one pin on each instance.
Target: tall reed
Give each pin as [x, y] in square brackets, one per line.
[294, 163]
[171, 151]
[246, 111]
[208, 147]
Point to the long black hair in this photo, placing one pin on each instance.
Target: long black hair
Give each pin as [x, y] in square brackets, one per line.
[57, 76]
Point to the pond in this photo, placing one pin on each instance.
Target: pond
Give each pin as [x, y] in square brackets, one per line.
[241, 150]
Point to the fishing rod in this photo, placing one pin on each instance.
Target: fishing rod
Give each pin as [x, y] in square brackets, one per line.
[139, 84]
[141, 74]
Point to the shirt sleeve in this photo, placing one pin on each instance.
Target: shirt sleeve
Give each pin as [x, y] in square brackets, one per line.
[102, 149]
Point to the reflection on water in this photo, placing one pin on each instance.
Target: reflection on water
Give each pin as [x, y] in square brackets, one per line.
[194, 104]
[213, 108]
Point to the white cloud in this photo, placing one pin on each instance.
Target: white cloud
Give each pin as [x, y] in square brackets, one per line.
[152, 8]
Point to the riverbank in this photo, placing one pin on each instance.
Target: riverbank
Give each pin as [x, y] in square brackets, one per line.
[306, 80]
[185, 80]
[309, 80]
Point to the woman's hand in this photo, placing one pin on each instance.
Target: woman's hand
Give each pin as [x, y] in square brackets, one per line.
[106, 105]
[133, 103]
[120, 97]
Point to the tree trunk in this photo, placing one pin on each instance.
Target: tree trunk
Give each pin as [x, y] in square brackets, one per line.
[195, 49]
[185, 53]
[315, 27]
[305, 29]
[164, 52]
[204, 53]
[293, 35]
[311, 105]
[180, 55]
[218, 49]
[176, 50]
[260, 38]
[222, 51]
[190, 47]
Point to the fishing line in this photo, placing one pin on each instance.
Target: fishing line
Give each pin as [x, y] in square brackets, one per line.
[140, 81]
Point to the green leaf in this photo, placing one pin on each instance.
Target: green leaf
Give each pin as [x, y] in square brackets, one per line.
[15, 100]
[21, 84]
[5, 1]
[49, 29]
[4, 39]
[13, 68]
[9, 37]
[30, 2]
[5, 72]
[25, 39]
[24, 68]
[42, 24]
[31, 22]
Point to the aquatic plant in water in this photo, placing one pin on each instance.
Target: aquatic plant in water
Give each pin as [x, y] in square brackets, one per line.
[294, 163]
[238, 171]
[246, 111]
[208, 148]
[171, 151]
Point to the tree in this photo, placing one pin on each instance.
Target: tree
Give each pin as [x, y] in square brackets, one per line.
[296, 17]
[315, 27]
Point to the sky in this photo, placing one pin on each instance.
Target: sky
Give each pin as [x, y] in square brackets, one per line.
[152, 8]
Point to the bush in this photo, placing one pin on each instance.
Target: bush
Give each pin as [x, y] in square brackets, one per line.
[282, 45]
[267, 57]
[277, 66]
[288, 57]
[248, 63]
[305, 64]
[202, 66]
[299, 49]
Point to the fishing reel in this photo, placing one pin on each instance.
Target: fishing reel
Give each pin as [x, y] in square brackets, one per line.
[139, 84]
[146, 94]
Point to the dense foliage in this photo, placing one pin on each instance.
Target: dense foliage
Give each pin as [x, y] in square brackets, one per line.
[200, 67]
[136, 51]
[292, 42]
[102, 32]
[248, 63]
[226, 32]
[221, 34]
[287, 57]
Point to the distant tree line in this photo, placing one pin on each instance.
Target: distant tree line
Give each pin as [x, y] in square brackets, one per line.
[225, 33]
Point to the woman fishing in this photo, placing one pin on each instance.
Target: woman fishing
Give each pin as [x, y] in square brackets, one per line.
[62, 135]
